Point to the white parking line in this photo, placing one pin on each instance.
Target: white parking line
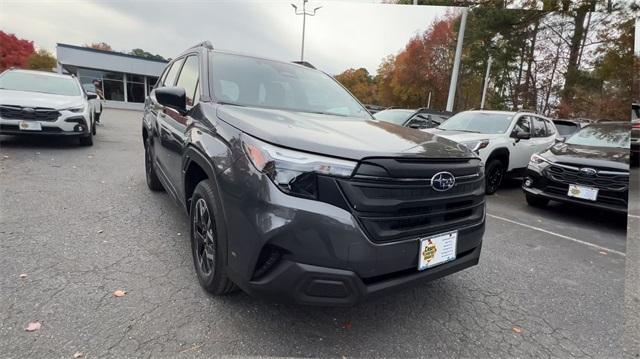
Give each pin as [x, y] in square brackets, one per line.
[634, 216]
[559, 235]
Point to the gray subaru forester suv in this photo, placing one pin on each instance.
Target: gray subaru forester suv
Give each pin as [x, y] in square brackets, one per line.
[295, 192]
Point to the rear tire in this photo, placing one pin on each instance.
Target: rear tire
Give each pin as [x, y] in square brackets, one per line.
[208, 257]
[535, 201]
[494, 173]
[153, 182]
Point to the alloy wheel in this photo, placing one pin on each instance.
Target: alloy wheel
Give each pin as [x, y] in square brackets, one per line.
[203, 236]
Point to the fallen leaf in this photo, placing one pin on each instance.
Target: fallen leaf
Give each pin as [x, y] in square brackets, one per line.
[5, 156]
[179, 233]
[603, 253]
[120, 293]
[517, 330]
[100, 231]
[33, 326]
[23, 275]
[78, 355]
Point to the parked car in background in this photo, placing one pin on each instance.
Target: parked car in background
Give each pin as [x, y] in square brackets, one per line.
[566, 128]
[305, 198]
[504, 140]
[635, 134]
[96, 103]
[45, 103]
[589, 168]
[374, 108]
[421, 118]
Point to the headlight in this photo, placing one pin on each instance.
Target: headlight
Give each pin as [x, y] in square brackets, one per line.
[292, 171]
[538, 160]
[476, 146]
[77, 109]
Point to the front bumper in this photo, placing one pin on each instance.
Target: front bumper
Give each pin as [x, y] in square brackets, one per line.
[67, 124]
[325, 258]
[543, 186]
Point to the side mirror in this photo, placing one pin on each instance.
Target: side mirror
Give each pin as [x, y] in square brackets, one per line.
[522, 135]
[172, 97]
[418, 123]
[92, 95]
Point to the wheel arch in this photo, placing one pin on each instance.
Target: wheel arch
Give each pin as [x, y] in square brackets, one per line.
[502, 154]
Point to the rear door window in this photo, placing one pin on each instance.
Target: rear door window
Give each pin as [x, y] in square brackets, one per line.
[539, 129]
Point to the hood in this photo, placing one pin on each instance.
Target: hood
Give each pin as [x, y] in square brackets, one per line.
[38, 99]
[579, 155]
[460, 136]
[338, 136]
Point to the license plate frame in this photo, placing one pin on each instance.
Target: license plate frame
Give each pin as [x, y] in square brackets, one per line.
[30, 126]
[437, 249]
[583, 192]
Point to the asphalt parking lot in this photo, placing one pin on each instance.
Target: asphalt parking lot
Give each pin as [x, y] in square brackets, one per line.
[632, 287]
[81, 223]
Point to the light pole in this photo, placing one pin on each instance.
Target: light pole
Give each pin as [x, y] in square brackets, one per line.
[494, 45]
[456, 62]
[304, 14]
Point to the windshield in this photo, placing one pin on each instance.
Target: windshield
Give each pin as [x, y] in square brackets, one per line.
[399, 117]
[248, 81]
[32, 82]
[566, 128]
[614, 136]
[479, 122]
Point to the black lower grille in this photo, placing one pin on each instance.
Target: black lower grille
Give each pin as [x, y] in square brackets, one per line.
[28, 113]
[394, 208]
[615, 198]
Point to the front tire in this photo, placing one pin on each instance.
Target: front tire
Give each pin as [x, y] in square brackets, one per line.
[494, 173]
[208, 258]
[535, 201]
[87, 140]
[153, 182]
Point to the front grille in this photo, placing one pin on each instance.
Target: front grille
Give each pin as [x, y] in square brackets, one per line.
[603, 179]
[28, 113]
[392, 208]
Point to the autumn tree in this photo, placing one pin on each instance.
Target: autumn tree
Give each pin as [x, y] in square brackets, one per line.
[99, 46]
[41, 60]
[360, 83]
[14, 51]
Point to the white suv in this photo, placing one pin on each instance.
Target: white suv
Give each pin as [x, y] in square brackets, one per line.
[45, 103]
[504, 140]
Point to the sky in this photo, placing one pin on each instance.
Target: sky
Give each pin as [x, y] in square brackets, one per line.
[343, 34]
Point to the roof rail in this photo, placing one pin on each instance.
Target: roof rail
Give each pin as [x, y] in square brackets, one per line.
[205, 43]
[304, 63]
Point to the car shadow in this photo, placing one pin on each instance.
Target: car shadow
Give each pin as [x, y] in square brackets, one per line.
[35, 141]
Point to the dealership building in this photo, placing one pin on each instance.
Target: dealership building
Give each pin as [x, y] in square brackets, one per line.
[122, 80]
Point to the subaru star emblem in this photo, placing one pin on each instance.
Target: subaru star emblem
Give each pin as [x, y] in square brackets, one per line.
[28, 110]
[443, 181]
[590, 172]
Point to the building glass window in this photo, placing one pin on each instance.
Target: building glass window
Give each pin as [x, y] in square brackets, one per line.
[135, 88]
[113, 90]
[111, 86]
